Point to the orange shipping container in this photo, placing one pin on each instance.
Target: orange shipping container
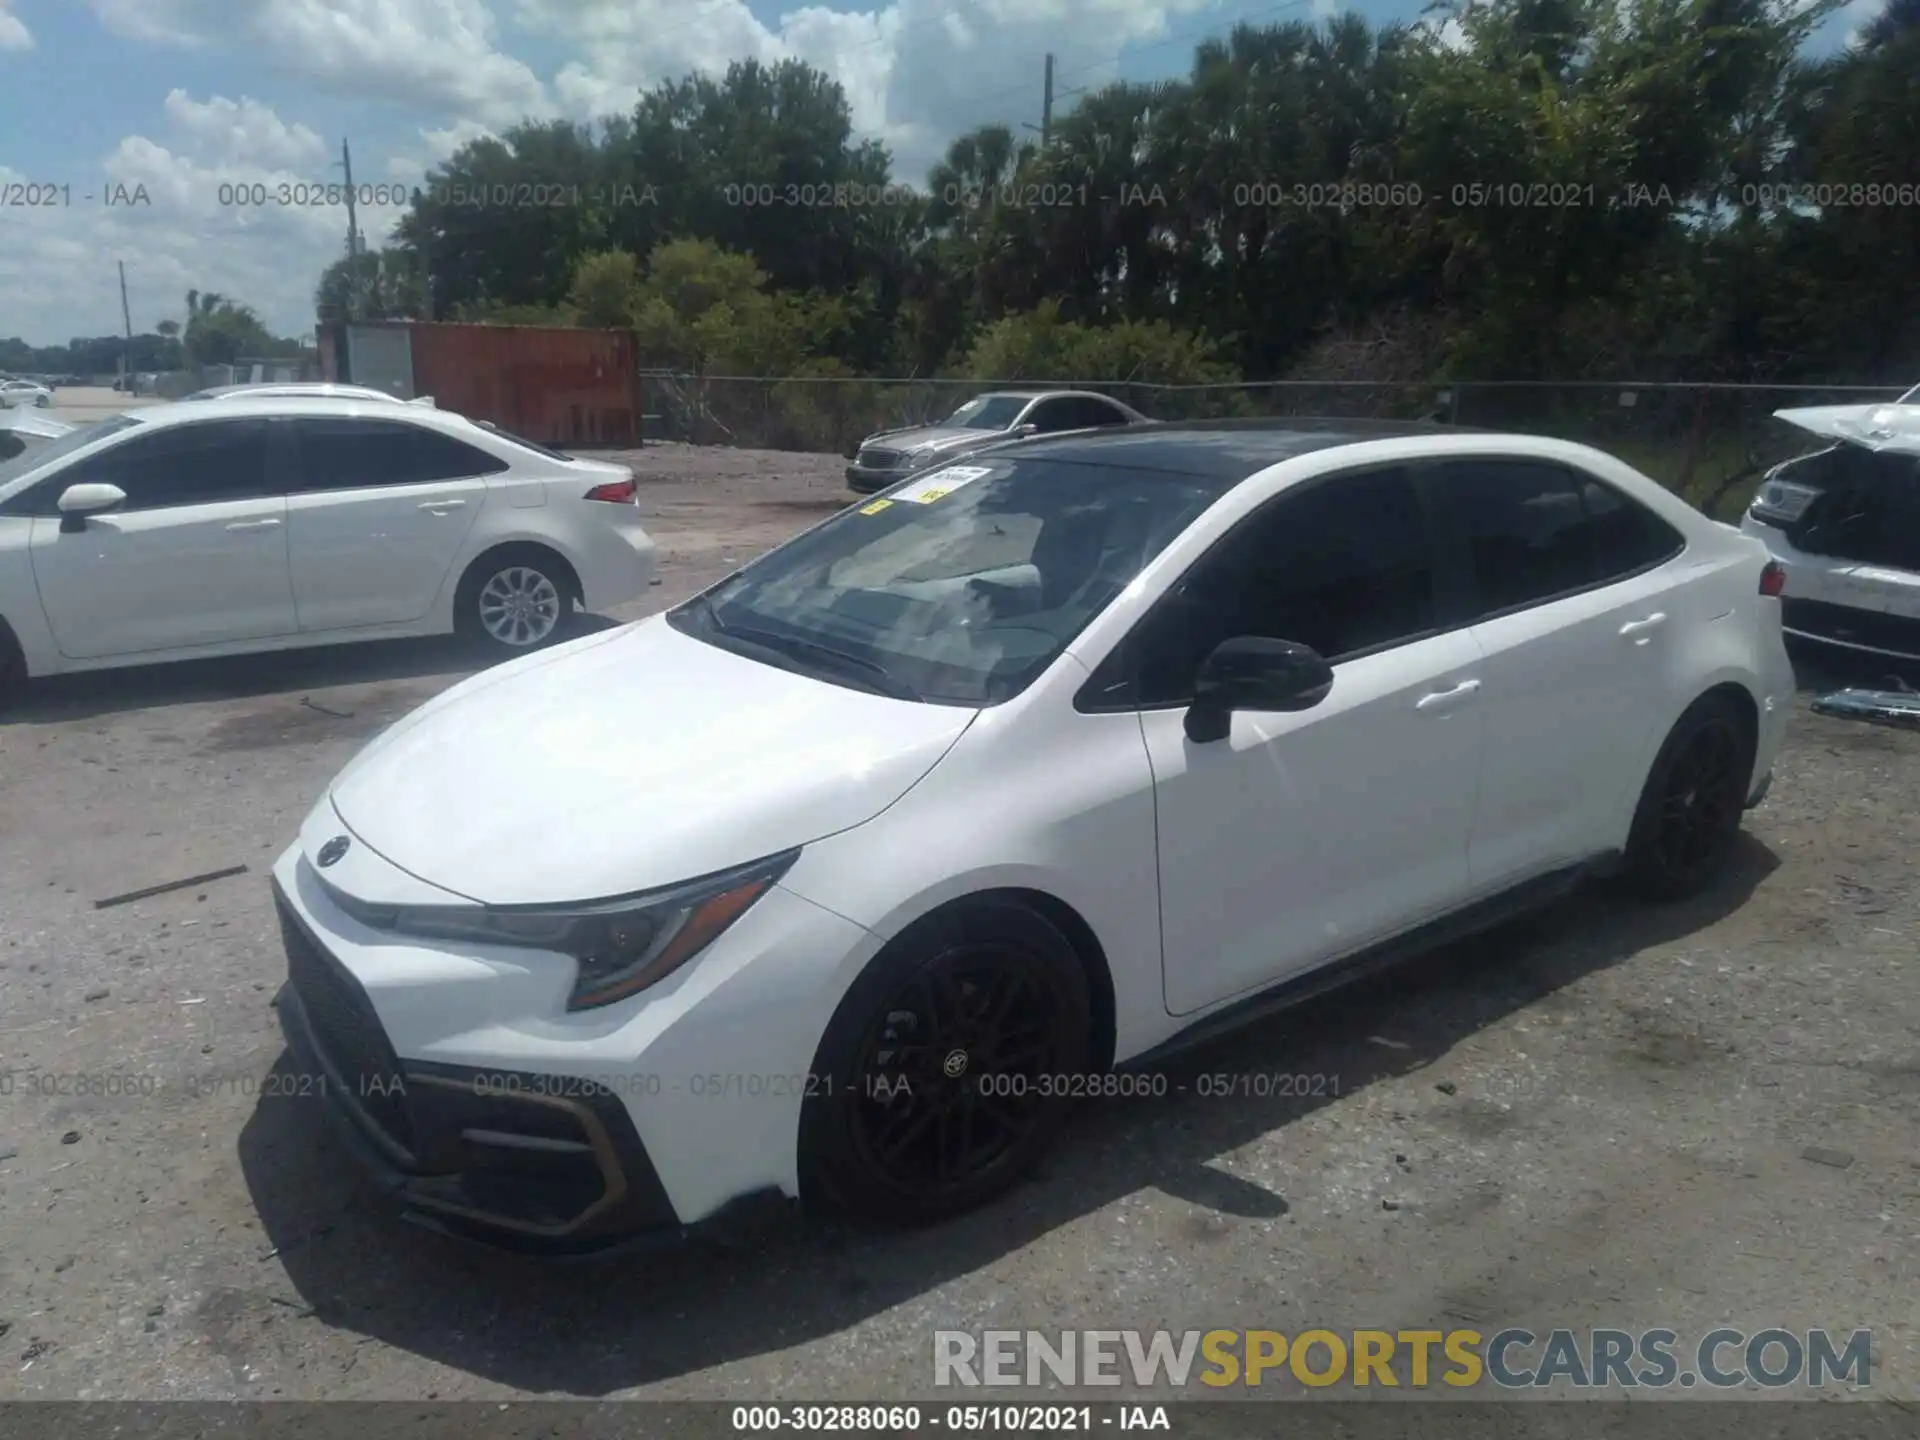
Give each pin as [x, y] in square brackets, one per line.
[558, 386]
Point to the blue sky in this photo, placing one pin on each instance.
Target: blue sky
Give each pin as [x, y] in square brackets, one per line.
[179, 98]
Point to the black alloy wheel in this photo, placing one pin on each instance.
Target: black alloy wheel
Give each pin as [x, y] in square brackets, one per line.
[1690, 810]
[945, 1068]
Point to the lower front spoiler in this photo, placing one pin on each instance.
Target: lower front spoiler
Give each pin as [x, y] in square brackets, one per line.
[543, 1165]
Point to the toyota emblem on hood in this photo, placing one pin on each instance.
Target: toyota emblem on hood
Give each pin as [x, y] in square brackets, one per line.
[331, 852]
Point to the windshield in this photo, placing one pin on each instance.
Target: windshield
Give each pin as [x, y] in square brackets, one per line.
[39, 452]
[958, 587]
[987, 412]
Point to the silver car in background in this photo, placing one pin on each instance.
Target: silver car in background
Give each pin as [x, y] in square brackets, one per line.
[988, 419]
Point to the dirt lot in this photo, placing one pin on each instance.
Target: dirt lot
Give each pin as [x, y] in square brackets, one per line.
[1600, 1117]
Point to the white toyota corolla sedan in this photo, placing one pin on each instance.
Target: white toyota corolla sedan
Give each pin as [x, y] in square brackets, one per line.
[840, 880]
[223, 526]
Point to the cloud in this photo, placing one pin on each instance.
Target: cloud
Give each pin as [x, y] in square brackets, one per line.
[14, 34]
[242, 129]
[227, 199]
[1852, 19]
[916, 72]
[437, 55]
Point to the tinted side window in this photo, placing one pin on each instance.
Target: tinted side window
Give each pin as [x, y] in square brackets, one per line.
[1344, 566]
[1052, 415]
[359, 454]
[1084, 413]
[1524, 529]
[1626, 535]
[179, 465]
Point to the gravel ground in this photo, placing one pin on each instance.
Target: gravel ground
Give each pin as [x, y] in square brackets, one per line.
[1601, 1116]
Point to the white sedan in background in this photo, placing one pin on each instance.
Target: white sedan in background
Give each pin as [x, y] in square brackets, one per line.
[841, 880]
[216, 527]
[299, 390]
[24, 392]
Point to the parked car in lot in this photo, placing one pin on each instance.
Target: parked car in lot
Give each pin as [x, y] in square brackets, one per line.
[301, 389]
[215, 527]
[839, 880]
[24, 392]
[882, 458]
[1845, 521]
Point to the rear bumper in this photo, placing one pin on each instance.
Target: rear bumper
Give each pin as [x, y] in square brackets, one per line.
[1870, 632]
[617, 568]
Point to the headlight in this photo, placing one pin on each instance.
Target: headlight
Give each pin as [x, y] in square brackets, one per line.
[622, 946]
[1783, 500]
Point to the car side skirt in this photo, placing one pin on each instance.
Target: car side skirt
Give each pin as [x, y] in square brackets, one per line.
[1482, 915]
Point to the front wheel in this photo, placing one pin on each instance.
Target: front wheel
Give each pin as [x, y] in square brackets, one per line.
[514, 601]
[944, 1074]
[1689, 811]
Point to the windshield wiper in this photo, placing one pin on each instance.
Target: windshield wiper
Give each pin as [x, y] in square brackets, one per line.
[796, 647]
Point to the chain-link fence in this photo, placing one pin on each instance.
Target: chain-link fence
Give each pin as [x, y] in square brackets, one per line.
[1708, 442]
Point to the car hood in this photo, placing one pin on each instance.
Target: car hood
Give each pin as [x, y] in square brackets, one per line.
[629, 760]
[1891, 427]
[933, 439]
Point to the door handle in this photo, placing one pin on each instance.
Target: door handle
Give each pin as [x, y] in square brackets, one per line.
[240, 527]
[1638, 630]
[1442, 700]
[440, 507]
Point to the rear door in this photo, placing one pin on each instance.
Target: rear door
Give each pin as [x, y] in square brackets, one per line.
[1564, 581]
[196, 556]
[378, 511]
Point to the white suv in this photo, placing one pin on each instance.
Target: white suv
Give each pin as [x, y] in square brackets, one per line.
[1845, 521]
[215, 527]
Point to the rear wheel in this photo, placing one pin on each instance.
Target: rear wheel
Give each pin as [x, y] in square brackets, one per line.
[1689, 811]
[13, 667]
[515, 599]
[939, 1078]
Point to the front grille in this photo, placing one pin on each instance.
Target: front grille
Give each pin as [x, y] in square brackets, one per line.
[348, 1032]
[1873, 628]
[876, 459]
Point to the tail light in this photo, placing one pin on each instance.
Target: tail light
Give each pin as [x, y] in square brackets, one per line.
[617, 492]
[1773, 579]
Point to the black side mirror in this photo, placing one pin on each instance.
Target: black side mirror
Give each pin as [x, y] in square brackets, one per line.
[1251, 672]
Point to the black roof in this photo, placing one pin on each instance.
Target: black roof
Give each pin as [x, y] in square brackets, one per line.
[1226, 451]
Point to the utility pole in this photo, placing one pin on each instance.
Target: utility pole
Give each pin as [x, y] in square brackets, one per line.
[126, 319]
[1046, 105]
[1047, 96]
[353, 232]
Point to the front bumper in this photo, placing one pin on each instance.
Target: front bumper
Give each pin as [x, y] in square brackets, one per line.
[492, 1112]
[863, 481]
[526, 1161]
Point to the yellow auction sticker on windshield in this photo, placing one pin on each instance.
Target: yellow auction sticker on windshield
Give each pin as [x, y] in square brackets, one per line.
[875, 508]
[941, 483]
